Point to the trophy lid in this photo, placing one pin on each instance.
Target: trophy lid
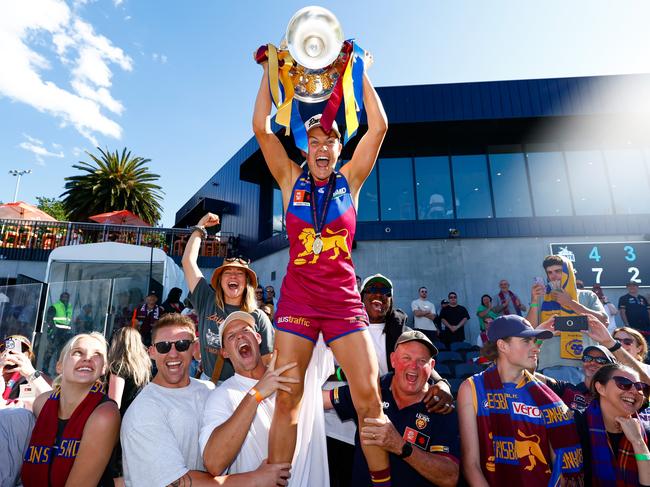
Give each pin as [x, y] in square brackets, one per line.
[314, 37]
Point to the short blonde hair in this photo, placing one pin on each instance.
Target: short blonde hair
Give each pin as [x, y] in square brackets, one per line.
[638, 338]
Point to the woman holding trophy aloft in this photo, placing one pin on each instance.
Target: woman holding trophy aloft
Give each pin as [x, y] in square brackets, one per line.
[318, 293]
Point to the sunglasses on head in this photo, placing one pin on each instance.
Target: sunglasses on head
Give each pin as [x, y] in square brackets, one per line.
[627, 341]
[241, 260]
[590, 358]
[378, 290]
[181, 346]
[625, 384]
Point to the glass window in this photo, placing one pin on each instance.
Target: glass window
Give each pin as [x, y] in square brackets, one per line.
[549, 183]
[278, 212]
[471, 186]
[433, 187]
[510, 185]
[396, 188]
[368, 210]
[588, 182]
[628, 180]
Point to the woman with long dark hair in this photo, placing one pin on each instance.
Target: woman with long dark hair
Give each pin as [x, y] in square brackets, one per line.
[614, 438]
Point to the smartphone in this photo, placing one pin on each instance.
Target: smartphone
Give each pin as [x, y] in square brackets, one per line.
[571, 323]
[10, 344]
[538, 280]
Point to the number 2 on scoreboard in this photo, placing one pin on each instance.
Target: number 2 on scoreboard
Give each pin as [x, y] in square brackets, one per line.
[635, 274]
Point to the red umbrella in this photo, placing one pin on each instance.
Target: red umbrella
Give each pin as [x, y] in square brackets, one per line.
[23, 211]
[121, 217]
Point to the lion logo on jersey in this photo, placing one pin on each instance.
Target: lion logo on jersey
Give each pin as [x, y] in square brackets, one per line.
[528, 447]
[336, 242]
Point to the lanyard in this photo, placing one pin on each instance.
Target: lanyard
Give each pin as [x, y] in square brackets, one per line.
[320, 220]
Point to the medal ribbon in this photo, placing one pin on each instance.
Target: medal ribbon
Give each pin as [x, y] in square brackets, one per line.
[320, 221]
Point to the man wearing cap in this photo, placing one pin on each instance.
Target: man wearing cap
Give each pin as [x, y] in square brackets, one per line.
[387, 324]
[237, 416]
[321, 207]
[423, 447]
[514, 429]
[231, 288]
[146, 316]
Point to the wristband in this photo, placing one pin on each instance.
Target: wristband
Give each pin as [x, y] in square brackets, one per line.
[340, 375]
[204, 232]
[615, 347]
[256, 394]
[534, 305]
[642, 456]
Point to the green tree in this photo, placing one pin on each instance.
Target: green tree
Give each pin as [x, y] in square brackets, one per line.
[53, 207]
[113, 182]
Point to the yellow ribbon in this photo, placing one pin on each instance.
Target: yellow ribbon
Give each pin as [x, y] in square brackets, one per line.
[283, 116]
[351, 121]
[272, 54]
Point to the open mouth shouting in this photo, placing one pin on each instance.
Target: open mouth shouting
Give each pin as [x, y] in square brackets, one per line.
[244, 350]
[174, 365]
[412, 377]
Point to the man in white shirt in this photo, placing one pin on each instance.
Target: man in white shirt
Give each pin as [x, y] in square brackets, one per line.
[160, 430]
[424, 312]
[238, 414]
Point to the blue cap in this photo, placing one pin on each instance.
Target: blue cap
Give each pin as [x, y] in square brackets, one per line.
[514, 326]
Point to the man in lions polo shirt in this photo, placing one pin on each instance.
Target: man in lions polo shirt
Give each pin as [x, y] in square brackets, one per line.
[423, 447]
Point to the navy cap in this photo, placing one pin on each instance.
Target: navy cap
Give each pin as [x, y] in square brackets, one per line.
[514, 326]
[417, 336]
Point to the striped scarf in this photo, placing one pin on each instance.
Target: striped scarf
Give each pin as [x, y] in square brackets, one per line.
[609, 469]
[47, 462]
[517, 427]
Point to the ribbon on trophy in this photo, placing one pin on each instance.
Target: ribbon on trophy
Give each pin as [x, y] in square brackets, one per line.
[348, 89]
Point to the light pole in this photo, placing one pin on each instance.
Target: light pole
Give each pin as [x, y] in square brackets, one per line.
[19, 173]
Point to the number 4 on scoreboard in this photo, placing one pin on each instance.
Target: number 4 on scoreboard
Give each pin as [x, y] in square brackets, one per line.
[594, 255]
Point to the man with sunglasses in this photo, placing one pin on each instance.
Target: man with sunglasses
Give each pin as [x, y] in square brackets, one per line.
[453, 319]
[578, 396]
[160, 430]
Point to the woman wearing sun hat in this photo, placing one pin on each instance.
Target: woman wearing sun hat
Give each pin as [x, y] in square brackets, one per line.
[231, 288]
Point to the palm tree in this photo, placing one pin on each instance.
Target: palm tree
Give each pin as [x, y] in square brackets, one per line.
[113, 182]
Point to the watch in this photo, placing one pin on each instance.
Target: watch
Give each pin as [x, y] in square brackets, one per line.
[407, 449]
[615, 347]
[35, 375]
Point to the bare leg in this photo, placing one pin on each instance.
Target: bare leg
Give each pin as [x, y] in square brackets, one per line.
[357, 357]
[284, 428]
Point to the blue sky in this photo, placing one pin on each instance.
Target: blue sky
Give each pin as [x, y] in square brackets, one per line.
[174, 81]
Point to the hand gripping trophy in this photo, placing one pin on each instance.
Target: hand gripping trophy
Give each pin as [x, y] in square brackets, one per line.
[318, 294]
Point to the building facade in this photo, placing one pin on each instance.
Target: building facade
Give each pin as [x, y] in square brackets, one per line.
[473, 183]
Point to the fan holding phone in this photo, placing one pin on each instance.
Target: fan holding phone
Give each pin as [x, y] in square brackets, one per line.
[560, 298]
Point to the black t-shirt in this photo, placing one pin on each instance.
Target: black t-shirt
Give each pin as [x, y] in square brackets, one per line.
[576, 396]
[454, 314]
[431, 432]
[636, 310]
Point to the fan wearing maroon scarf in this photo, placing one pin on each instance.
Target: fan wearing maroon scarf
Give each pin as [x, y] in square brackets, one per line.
[77, 425]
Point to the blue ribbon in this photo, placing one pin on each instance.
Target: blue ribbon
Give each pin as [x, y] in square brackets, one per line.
[358, 68]
[298, 127]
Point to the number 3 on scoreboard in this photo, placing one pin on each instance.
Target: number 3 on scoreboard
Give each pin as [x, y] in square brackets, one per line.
[598, 271]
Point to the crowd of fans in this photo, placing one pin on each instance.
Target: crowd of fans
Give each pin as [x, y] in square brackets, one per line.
[535, 405]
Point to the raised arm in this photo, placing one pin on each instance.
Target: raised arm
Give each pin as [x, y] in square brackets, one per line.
[190, 257]
[283, 169]
[357, 170]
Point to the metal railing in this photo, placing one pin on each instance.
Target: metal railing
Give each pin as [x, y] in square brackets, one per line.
[46, 236]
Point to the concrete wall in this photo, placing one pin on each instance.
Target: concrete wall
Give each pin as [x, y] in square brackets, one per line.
[470, 267]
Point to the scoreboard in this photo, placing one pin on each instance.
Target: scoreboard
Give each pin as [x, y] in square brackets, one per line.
[610, 264]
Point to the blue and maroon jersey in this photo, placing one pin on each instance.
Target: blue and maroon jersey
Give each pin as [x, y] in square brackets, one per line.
[326, 282]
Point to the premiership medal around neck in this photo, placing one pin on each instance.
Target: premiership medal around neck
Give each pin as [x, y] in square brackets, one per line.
[317, 246]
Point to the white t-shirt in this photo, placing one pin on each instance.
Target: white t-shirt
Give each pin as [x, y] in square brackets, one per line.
[422, 322]
[379, 341]
[160, 434]
[308, 468]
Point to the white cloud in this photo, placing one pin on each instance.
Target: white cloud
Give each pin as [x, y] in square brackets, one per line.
[76, 151]
[86, 55]
[117, 3]
[37, 148]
